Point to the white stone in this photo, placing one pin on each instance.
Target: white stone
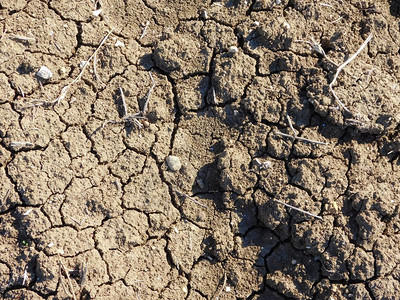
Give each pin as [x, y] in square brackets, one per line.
[174, 163]
[44, 73]
[118, 43]
[233, 49]
[96, 13]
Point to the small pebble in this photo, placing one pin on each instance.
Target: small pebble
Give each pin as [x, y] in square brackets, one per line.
[118, 43]
[96, 13]
[233, 49]
[44, 73]
[62, 71]
[200, 183]
[82, 64]
[173, 163]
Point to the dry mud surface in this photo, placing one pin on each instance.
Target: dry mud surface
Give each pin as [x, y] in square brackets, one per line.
[91, 210]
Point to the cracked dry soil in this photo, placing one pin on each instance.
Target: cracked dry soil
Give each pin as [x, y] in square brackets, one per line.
[89, 208]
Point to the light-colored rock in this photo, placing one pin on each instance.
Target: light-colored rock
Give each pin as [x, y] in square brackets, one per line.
[44, 73]
[173, 163]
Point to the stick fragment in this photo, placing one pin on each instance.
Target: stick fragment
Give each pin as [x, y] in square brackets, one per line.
[191, 198]
[21, 38]
[123, 101]
[70, 286]
[21, 144]
[95, 69]
[222, 288]
[149, 94]
[300, 138]
[65, 89]
[291, 125]
[144, 30]
[295, 136]
[340, 68]
[298, 209]
[25, 276]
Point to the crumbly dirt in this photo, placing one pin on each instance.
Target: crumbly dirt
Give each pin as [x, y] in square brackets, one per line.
[89, 208]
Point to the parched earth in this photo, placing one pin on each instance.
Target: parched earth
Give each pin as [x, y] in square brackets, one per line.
[159, 160]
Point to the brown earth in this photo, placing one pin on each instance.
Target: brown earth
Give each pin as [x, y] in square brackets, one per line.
[91, 210]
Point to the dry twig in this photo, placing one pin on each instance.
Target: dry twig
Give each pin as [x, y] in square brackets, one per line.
[65, 89]
[294, 136]
[123, 101]
[300, 138]
[21, 144]
[298, 209]
[70, 291]
[149, 94]
[144, 30]
[191, 198]
[316, 47]
[340, 68]
[216, 297]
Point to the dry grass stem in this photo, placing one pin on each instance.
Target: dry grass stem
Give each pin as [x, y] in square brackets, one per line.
[214, 96]
[149, 94]
[21, 38]
[25, 276]
[295, 136]
[6, 196]
[340, 68]
[123, 101]
[21, 92]
[191, 198]
[291, 125]
[300, 138]
[83, 273]
[216, 297]
[95, 70]
[65, 89]
[298, 209]
[21, 144]
[70, 291]
[144, 30]
[316, 47]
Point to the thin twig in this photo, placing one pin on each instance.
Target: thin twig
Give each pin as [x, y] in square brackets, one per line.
[95, 69]
[65, 89]
[191, 198]
[25, 276]
[317, 48]
[222, 288]
[108, 122]
[298, 209]
[149, 94]
[291, 125]
[71, 288]
[83, 273]
[340, 68]
[144, 30]
[6, 196]
[214, 96]
[300, 138]
[21, 38]
[123, 101]
[337, 20]
[21, 144]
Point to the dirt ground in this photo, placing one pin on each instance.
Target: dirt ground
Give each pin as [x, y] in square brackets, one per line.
[153, 163]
